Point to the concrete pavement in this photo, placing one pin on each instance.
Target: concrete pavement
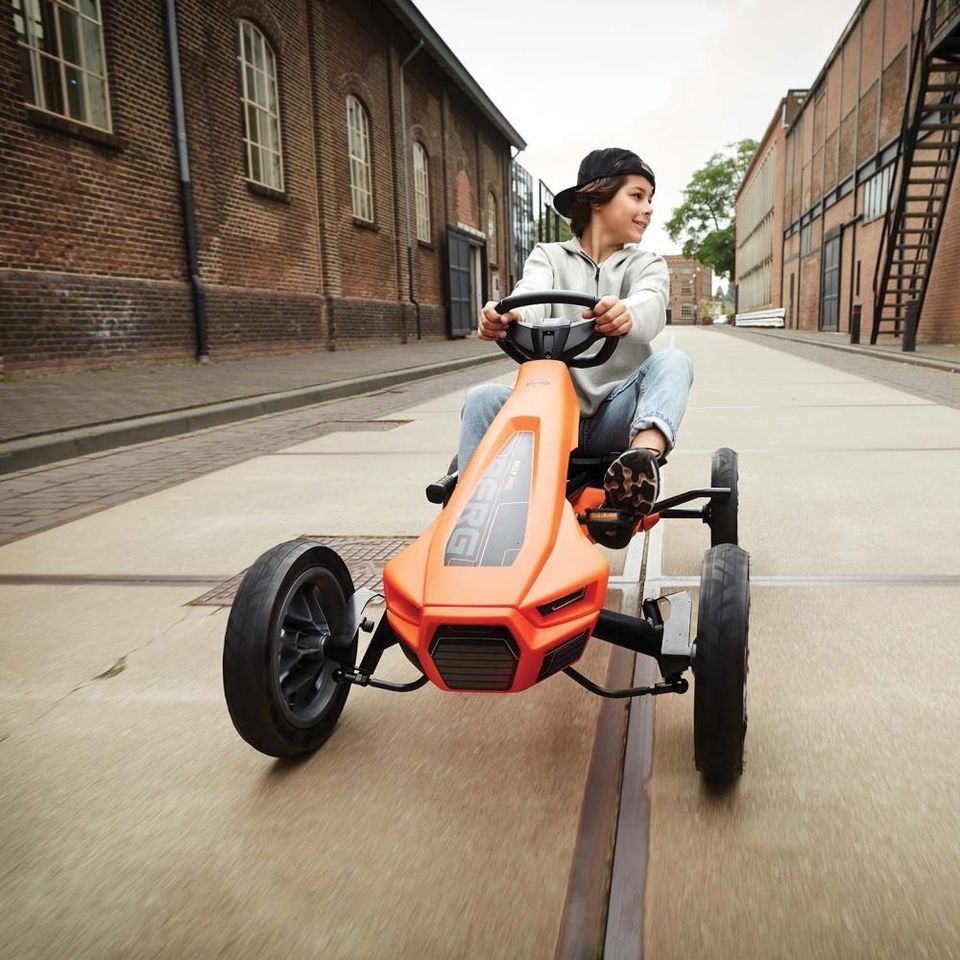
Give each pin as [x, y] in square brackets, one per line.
[841, 838]
[138, 824]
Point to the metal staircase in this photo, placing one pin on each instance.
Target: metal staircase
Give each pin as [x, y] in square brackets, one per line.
[929, 147]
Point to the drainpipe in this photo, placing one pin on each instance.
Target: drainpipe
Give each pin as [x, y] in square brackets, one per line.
[186, 190]
[406, 180]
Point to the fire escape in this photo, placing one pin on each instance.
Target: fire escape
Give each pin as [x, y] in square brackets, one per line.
[929, 145]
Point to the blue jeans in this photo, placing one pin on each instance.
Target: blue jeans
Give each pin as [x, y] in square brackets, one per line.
[655, 396]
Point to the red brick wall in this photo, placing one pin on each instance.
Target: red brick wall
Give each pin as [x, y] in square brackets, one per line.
[700, 279]
[860, 114]
[92, 260]
[940, 321]
[78, 212]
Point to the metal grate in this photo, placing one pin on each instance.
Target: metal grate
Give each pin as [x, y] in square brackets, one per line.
[475, 657]
[365, 558]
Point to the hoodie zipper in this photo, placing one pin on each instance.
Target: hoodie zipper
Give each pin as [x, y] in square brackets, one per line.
[596, 271]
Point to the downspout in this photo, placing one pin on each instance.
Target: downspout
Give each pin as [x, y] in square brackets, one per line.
[186, 190]
[406, 180]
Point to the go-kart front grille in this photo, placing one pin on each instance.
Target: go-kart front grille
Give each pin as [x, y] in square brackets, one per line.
[475, 658]
[562, 656]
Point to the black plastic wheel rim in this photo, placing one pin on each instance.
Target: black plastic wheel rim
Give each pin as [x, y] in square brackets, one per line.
[303, 675]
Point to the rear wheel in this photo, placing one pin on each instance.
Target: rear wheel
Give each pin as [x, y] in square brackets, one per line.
[724, 472]
[720, 663]
[279, 685]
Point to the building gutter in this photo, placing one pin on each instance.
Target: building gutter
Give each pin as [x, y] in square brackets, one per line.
[406, 180]
[420, 27]
[186, 189]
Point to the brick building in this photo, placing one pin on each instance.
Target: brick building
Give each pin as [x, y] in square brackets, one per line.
[690, 282]
[848, 200]
[285, 223]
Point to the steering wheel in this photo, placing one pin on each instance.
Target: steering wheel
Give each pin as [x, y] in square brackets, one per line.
[554, 339]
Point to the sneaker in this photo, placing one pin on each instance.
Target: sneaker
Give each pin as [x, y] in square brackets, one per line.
[632, 481]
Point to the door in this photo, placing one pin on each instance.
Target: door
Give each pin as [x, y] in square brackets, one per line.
[830, 287]
[466, 278]
[459, 283]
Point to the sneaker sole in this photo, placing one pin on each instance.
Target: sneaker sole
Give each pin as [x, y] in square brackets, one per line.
[632, 483]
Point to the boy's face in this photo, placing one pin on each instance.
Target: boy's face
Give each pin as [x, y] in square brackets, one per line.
[628, 214]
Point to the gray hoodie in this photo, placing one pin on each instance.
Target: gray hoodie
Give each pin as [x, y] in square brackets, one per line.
[638, 278]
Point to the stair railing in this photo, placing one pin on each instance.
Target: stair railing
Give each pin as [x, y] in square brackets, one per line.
[904, 157]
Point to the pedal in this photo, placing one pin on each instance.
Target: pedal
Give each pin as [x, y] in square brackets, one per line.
[440, 491]
[607, 520]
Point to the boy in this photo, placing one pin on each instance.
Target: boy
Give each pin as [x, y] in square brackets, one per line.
[636, 399]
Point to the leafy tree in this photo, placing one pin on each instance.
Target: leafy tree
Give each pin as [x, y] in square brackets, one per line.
[565, 232]
[705, 217]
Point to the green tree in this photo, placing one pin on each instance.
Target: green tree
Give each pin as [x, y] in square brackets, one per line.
[705, 218]
[565, 232]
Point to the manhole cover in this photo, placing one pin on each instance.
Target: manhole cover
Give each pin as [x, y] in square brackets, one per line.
[365, 558]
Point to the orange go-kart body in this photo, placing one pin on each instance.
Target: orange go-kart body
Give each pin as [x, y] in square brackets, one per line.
[504, 587]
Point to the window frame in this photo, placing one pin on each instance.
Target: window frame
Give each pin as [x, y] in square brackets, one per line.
[421, 192]
[876, 194]
[692, 315]
[33, 57]
[360, 163]
[272, 150]
[492, 236]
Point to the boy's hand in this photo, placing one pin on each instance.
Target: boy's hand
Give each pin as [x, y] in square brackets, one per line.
[493, 326]
[612, 315]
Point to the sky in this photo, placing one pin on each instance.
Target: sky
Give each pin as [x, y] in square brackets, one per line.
[673, 81]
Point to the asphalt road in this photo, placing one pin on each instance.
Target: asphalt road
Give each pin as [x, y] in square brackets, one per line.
[136, 823]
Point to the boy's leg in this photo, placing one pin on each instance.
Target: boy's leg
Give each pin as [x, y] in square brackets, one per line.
[480, 407]
[664, 382]
[645, 415]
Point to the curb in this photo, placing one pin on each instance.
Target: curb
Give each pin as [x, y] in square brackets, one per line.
[948, 366]
[52, 447]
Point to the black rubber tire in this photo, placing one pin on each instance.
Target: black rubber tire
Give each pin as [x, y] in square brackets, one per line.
[251, 649]
[724, 472]
[721, 663]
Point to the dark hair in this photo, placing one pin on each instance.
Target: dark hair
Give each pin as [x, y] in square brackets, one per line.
[597, 191]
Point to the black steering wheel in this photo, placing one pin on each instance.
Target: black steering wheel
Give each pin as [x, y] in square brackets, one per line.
[554, 339]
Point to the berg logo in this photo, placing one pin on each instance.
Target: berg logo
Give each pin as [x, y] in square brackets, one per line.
[490, 530]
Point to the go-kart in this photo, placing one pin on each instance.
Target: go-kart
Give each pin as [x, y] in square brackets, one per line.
[505, 587]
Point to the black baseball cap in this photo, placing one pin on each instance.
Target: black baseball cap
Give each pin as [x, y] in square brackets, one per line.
[608, 162]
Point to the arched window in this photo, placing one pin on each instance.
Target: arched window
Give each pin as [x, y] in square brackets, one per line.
[358, 142]
[421, 183]
[491, 227]
[61, 48]
[261, 108]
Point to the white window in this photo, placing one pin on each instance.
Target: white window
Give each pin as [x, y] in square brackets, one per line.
[421, 185]
[688, 311]
[492, 227]
[261, 108]
[61, 46]
[686, 288]
[875, 194]
[358, 139]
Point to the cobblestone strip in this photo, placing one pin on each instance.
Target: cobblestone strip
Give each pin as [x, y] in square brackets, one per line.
[45, 497]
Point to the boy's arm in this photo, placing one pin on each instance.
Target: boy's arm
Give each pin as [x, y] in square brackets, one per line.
[648, 298]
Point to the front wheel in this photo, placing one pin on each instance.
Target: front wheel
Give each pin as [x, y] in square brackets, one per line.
[279, 685]
[720, 663]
